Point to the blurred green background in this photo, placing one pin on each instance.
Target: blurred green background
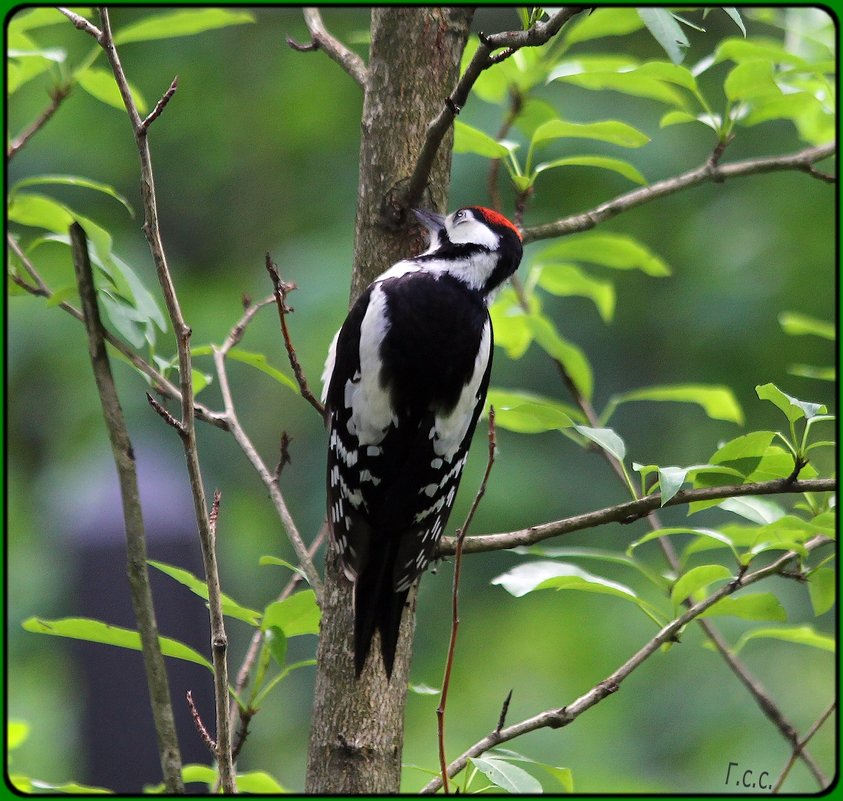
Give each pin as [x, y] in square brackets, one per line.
[258, 152]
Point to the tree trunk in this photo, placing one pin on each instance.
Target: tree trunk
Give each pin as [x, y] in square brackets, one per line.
[357, 730]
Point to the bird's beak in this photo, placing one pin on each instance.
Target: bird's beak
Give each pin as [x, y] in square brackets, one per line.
[430, 220]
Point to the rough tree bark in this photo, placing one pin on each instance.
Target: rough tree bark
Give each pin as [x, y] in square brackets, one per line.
[357, 729]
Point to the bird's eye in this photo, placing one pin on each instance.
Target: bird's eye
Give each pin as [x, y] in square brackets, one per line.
[459, 215]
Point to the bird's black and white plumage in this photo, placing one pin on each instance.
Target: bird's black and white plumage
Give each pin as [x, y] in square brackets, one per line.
[404, 384]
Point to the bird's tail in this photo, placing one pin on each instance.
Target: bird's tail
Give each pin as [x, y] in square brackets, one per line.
[377, 606]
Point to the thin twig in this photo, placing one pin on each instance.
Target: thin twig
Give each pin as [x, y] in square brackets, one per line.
[800, 746]
[57, 97]
[333, 47]
[802, 160]
[455, 602]
[161, 104]
[124, 460]
[83, 24]
[562, 716]
[628, 512]
[268, 478]
[281, 290]
[219, 641]
[200, 725]
[482, 59]
[236, 711]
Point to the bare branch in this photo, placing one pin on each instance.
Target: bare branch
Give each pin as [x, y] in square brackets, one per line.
[455, 602]
[333, 47]
[798, 748]
[182, 331]
[268, 478]
[562, 716]
[802, 160]
[57, 97]
[124, 460]
[161, 104]
[282, 289]
[629, 512]
[200, 725]
[483, 58]
[82, 24]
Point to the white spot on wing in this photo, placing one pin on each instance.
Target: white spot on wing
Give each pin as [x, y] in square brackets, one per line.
[451, 430]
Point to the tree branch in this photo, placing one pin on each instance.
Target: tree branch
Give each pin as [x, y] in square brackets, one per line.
[268, 478]
[82, 24]
[628, 512]
[483, 58]
[124, 460]
[219, 642]
[57, 97]
[333, 47]
[798, 748]
[455, 596]
[281, 290]
[802, 160]
[562, 716]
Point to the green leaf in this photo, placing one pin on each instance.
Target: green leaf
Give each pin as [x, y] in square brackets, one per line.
[562, 775]
[705, 533]
[757, 510]
[628, 83]
[510, 324]
[697, 578]
[569, 355]
[822, 589]
[670, 72]
[259, 782]
[17, 732]
[675, 117]
[100, 84]
[259, 362]
[792, 408]
[472, 140]
[603, 162]
[606, 438]
[754, 606]
[80, 628]
[567, 279]
[507, 776]
[751, 80]
[796, 324]
[671, 480]
[296, 615]
[197, 586]
[603, 22]
[617, 251]
[74, 180]
[666, 31]
[68, 788]
[600, 554]
[612, 131]
[276, 641]
[526, 413]
[125, 318]
[39, 211]
[758, 50]
[529, 576]
[803, 635]
[718, 402]
[181, 23]
[735, 16]
[809, 371]
[423, 689]
[274, 560]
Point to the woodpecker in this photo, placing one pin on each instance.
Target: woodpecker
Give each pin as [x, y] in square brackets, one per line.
[404, 384]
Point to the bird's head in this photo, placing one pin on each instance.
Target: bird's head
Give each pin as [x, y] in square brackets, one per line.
[475, 242]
